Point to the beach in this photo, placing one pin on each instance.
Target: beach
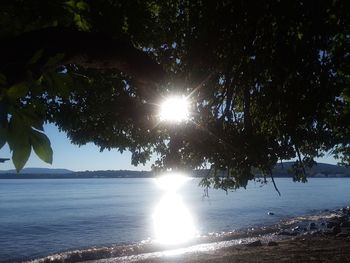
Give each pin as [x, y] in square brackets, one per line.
[326, 239]
[301, 249]
[316, 238]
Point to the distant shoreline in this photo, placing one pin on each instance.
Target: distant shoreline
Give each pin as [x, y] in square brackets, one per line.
[321, 170]
[60, 176]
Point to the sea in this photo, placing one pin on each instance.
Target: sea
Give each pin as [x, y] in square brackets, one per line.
[42, 217]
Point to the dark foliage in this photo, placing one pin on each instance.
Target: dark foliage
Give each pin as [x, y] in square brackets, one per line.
[267, 81]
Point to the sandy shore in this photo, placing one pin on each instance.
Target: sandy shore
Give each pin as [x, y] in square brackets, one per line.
[301, 249]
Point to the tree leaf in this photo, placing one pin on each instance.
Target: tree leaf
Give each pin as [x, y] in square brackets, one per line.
[30, 118]
[37, 55]
[52, 61]
[17, 91]
[21, 152]
[82, 5]
[42, 146]
[2, 79]
[3, 136]
[18, 141]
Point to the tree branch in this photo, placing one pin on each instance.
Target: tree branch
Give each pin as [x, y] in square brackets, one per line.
[86, 49]
[274, 185]
[247, 117]
[229, 92]
[300, 160]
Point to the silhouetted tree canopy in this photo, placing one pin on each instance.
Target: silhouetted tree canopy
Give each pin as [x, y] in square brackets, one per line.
[267, 81]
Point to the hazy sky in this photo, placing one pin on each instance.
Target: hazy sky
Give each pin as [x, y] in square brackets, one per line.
[87, 157]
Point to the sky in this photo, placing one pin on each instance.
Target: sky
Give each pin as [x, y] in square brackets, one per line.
[75, 158]
[87, 157]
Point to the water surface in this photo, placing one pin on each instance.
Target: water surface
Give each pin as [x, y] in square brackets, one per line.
[44, 216]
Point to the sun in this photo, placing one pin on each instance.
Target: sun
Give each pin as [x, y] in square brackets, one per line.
[174, 109]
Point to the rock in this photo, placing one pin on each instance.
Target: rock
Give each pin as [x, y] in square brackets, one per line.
[343, 218]
[345, 224]
[254, 244]
[270, 213]
[272, 244]
[336, 230]
[297, 228]
[346, 210]
[316, 233]
[331, 224]
[286, 233]
[345, 229]
[312, 226]
[328, 233]
[342, 234]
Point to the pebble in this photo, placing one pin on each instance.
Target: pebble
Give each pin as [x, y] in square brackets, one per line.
[286, 233]
[336, 230]
[328, 233]
[331, 224]
[342, 234]
[312, 226]
[254, 244]
[345, 224]
[297, 228]
[315, 233]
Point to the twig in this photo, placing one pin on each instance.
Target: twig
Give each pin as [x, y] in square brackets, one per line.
[274, 184]
[300, 160]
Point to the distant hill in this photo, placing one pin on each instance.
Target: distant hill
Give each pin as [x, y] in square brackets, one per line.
[44, 173]
[281, 170]
[318, 170]
[37, 171]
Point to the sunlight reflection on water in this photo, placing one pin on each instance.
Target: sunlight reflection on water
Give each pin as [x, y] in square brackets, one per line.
[173, 222]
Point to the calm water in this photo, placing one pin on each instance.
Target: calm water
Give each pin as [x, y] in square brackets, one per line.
[40, 217]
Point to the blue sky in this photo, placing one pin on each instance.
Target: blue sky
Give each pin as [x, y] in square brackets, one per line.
[87, 157]
[73, 157]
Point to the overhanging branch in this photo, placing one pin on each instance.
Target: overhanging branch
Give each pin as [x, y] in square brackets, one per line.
[87, 49]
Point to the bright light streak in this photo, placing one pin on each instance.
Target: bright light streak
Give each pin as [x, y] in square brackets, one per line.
[172, 221]
[174, 109]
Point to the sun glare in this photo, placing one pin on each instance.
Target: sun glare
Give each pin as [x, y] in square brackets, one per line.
[174, 109]
[172, 181]
[172, 220]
